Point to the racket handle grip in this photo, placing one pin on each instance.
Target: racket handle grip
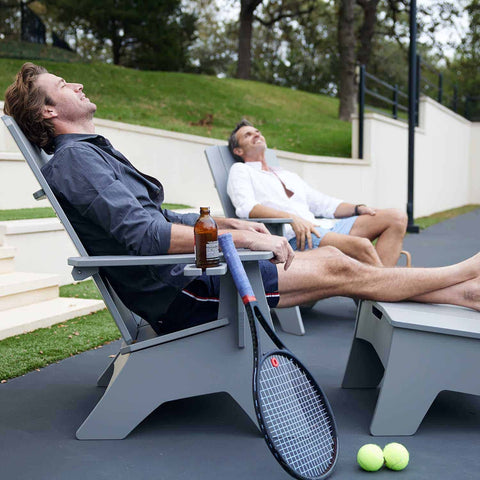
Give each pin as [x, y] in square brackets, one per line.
[236, 268]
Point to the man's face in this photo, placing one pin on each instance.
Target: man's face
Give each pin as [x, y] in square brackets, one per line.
[250, 142]
[70, 103]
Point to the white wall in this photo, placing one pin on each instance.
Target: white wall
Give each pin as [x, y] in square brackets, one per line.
[446, 165]
[475, 164]
[176, 159]
[442, 159]
[446, 174]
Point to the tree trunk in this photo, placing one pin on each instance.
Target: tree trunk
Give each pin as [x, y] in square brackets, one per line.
[367, 30]
[245, 38]
[346, 47]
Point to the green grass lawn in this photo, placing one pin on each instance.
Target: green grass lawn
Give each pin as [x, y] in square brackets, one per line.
[425, 222]
[47, 212]
[30, 351]
[291, 120]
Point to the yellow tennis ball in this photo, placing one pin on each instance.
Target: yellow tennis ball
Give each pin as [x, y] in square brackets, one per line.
[396, 456]
[370, 457]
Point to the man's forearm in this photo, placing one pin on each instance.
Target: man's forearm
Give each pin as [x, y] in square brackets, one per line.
[261, 211]
[181, 239]
[345, 210]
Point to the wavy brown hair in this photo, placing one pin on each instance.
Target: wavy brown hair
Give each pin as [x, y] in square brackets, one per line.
[24, 101]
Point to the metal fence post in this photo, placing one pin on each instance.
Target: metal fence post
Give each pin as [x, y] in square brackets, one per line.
[440, 87]
[361, 110]
[395, 102]
[413, 82]
[418, 80]
[455, 98]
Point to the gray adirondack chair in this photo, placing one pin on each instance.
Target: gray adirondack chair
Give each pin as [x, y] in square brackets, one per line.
[149, 369]
[220, 161]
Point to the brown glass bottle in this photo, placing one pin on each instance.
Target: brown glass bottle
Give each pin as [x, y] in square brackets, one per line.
[206, 240]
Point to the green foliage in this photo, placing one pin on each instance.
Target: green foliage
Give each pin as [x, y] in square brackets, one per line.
[86, 289]
[291, 120]
[48, 212]
[26, 213]
[146, 34]
[23, 353]
[425, 222]
[302, 53]
[34, 51]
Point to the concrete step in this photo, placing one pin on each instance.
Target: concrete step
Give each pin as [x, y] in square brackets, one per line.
[11, 156]
[18, 289]
[7, 259]
[42, 244]
[44, 314]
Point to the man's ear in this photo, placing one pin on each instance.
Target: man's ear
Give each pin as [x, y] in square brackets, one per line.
[49, 112]
[238, 151]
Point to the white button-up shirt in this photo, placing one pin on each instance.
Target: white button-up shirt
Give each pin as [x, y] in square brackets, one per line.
[249, 185]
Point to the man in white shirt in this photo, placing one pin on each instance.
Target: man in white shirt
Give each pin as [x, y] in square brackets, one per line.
[258, 190]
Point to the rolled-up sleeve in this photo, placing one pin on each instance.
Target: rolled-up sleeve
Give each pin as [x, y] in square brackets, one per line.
[240, 190]
[183, 218]
[90, 185]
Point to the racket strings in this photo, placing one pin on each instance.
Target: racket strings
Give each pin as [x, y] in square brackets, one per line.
[296, 417]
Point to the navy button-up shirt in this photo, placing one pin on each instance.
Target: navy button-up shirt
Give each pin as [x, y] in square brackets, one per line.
[117, 210]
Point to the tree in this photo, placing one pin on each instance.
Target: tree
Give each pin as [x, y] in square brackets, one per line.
[275, 11]
[247, 8]
[149, 34]
[346, 52]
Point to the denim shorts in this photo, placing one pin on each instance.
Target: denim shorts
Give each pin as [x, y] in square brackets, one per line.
[343, 226]
[198, 302]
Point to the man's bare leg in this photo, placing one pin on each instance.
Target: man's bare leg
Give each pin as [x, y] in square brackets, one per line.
[389, 226]
[327, 272]
[359, 248]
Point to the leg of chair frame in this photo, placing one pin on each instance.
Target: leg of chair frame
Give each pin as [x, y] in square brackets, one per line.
[104, 378]
[407, 391]
[364, 369]
[290, 320]
[145, 379]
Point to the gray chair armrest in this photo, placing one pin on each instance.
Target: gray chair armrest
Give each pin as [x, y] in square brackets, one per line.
[84, 267]
[270, 220]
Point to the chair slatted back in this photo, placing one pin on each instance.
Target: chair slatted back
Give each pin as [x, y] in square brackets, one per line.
[127, 322]
[220, 160]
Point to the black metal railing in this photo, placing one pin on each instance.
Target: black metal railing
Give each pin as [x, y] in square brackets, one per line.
[472, 108]
[378, 96]
[431, 82]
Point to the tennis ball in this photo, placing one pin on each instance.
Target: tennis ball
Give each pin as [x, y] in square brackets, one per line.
[370, 457]
[396, 456]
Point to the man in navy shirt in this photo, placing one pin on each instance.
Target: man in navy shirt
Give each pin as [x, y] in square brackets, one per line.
[118, 210]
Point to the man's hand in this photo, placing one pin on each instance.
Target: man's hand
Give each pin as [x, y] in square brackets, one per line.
[303, 231]
[238, 224]
[282, 250]
[365, 210]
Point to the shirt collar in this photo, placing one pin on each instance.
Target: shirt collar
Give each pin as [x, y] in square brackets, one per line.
[254, 165]
[67, 138]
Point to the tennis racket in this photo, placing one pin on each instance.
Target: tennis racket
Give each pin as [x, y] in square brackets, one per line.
[293, 413]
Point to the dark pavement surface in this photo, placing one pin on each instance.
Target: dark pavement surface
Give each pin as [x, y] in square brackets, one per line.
[210, 437]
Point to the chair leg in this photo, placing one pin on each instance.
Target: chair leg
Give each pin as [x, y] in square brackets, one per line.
[364, 368]
[105, 377]
[406, 394]
[145, 379]
[290, 320]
